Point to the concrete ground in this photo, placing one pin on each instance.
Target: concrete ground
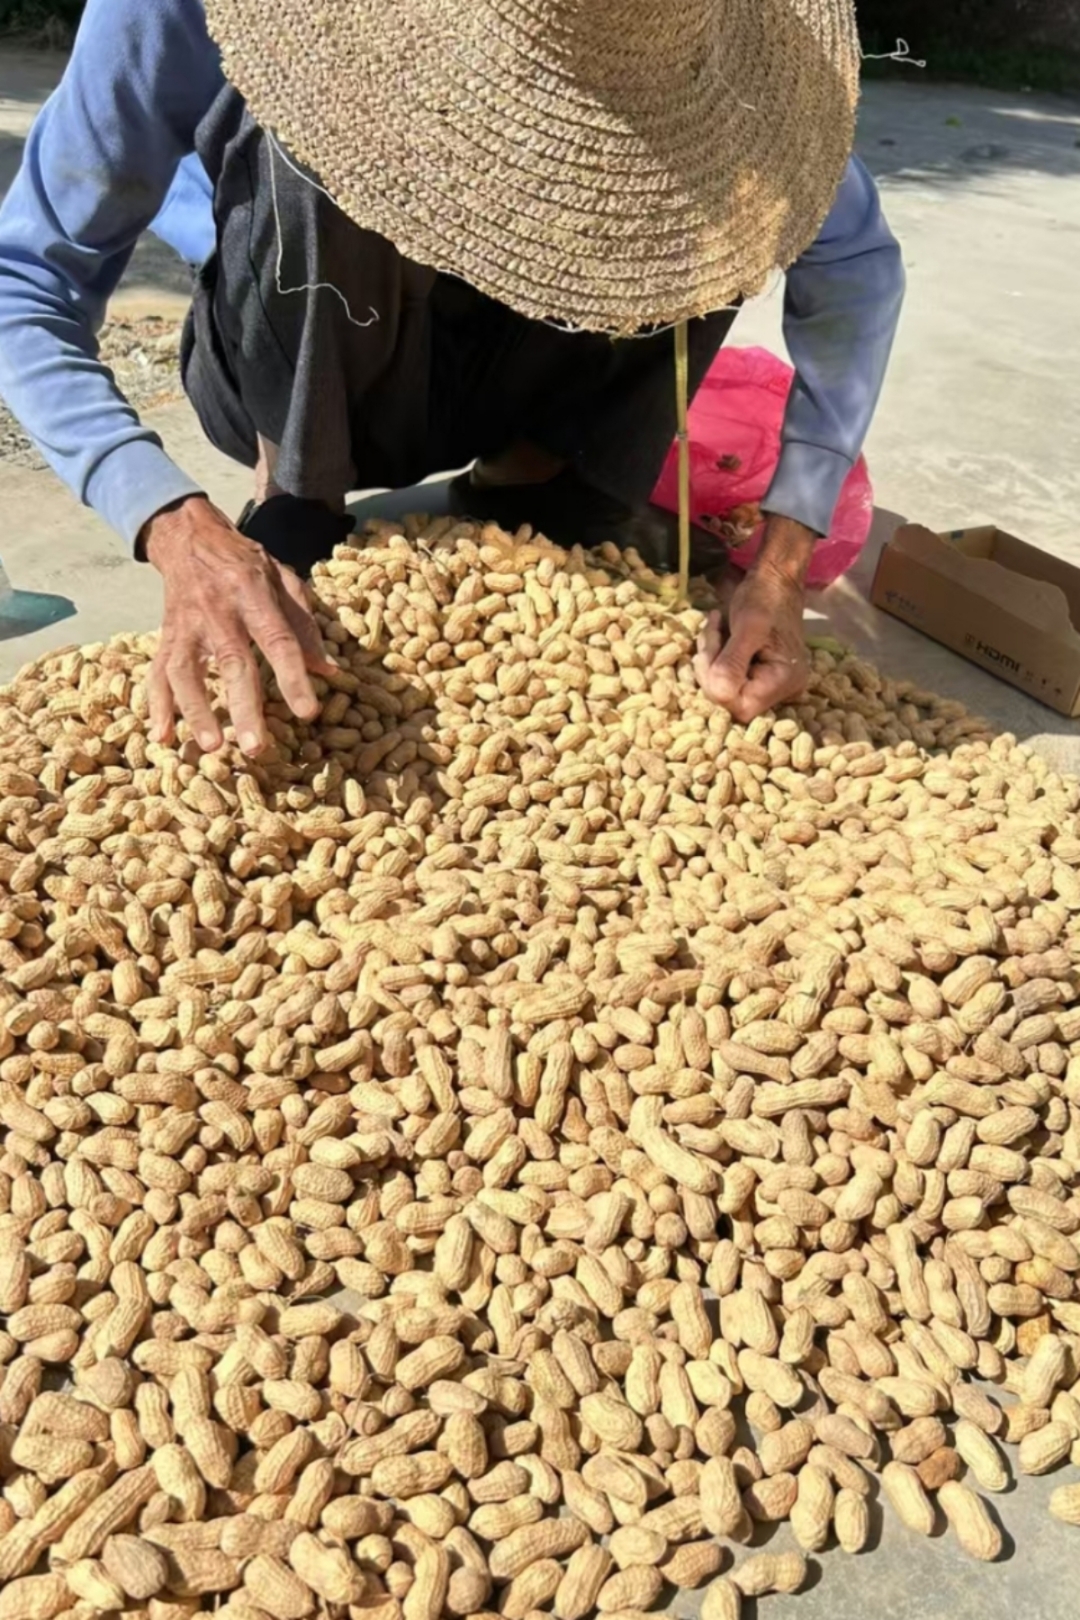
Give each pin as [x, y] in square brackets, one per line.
[980, 423]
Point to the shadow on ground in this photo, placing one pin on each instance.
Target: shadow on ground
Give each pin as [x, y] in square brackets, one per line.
[942, 135]
[11, 150]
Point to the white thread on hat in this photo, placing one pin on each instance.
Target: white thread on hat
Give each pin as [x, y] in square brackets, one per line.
[599, 163]
[901, 55]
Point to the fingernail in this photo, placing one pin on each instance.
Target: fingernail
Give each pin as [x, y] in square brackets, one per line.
[249, 742]
[206, 741]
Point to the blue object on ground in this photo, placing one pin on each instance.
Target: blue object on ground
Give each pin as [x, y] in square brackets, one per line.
[23, 612]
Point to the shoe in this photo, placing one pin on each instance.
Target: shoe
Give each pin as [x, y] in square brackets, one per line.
[295, 531]
[568, 511]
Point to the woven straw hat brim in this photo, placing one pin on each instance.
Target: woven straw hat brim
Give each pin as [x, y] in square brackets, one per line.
[608, 164]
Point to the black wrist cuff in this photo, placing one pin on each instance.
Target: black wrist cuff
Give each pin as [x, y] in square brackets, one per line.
[296, 531]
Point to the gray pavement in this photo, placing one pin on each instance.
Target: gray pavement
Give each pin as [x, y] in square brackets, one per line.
[980, 423]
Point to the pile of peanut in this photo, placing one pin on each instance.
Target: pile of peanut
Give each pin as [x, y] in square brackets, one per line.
[525, 1133]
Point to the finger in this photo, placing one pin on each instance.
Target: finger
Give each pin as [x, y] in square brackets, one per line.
[276, 639]
[187, 678]
[728, 673]
[714, 682]
[711, 637]
[770, 684]
[296, 601]
[162, 703]
[243, 696]
[748, 634]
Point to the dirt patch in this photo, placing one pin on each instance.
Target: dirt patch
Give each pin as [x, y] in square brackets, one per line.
[143, 356]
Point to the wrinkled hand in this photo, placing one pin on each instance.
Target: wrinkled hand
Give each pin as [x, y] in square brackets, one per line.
[223, 593]
[764, 661]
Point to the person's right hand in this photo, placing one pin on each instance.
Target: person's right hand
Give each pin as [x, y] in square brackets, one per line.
[764, 662]
[222, 593]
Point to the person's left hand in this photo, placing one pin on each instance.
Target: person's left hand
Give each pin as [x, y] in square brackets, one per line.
[764, 662]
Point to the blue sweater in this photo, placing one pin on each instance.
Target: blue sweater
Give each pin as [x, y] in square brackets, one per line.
[112, 153]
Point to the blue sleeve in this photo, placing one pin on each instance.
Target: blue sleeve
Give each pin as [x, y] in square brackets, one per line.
[99, 163]
[186, 220]
[841, 311]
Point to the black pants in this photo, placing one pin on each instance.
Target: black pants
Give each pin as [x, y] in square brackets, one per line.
[379, 371]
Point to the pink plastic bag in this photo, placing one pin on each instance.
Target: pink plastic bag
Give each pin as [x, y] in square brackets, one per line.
[735, 423]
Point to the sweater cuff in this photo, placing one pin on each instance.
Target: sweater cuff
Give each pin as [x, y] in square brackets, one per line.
[807, 485]
[133, 482]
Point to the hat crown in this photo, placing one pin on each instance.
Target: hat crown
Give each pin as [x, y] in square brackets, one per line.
[609, 164]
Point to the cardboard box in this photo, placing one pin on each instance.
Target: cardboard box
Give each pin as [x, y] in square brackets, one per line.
[996, 600]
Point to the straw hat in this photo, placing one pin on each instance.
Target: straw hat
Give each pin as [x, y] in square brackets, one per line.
[610, 164]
